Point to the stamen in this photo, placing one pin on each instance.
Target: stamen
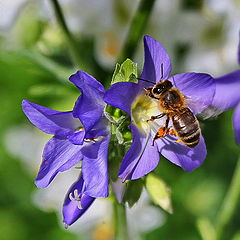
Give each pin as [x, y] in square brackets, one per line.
[80, 205]
[93, 140]
[65, 225]
[76, 197]
[71, 197]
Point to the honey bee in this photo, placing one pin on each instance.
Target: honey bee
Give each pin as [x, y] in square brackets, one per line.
[172, 104]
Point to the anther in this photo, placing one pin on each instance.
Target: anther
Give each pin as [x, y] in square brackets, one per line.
[76, 197]
[90, 140]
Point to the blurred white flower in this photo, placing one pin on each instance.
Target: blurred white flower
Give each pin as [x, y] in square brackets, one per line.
[26, 144]
[8, 12]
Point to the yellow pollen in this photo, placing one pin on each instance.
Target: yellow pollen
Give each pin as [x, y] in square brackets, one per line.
[142, 109]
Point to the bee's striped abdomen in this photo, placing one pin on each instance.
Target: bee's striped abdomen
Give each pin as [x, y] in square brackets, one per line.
[187, 127]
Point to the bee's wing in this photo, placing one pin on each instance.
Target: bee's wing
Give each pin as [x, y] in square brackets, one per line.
[210, 112]
[201, 110]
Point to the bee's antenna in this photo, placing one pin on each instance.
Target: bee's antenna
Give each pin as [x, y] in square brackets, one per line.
[161, 71]
[146, 80]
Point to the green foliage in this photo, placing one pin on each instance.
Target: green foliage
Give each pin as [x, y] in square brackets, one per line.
[133, 191]
[159, 192]
[206, 229]
[236, 236]
[125, 72]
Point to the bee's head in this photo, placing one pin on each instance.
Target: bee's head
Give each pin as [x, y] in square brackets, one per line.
[157, 90]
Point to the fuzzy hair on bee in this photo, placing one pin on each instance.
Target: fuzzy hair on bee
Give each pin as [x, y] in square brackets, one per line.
[173, 105]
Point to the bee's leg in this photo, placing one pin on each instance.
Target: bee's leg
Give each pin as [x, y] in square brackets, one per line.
[162, 131]
[156, 117]
[159, 134]
[166, 126]
[173, 133]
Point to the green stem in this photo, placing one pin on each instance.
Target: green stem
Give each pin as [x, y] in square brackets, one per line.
[206, 229]
[230, 203]
[120, 220]
[136, 29]
[68, 35]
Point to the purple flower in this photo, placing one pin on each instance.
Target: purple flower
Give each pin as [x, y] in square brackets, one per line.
[79, 135]
[143, 157]
[228, 96]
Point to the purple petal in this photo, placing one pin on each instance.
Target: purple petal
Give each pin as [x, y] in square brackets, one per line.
[71, 211]
[48, 120]
[236, 123]
[89, 106]
[141, 158]
[122, 95]
[185, 157]
[199, 88]
[59, 155]
[101, 128]
[239, 49]
[77, 138]
[157, 64]
[95, 169]
[227, 90]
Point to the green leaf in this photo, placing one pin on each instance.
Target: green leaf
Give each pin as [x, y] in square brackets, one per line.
[126, 72]
[159, 192]
[133, 192]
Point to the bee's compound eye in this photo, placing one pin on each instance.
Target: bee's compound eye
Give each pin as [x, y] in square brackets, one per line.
[169, 84]
[158, 90]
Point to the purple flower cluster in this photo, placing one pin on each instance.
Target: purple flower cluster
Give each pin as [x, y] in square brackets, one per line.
[79, 135]
[83, 134]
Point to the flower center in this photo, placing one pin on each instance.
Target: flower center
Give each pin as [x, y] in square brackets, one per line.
[143, 108]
